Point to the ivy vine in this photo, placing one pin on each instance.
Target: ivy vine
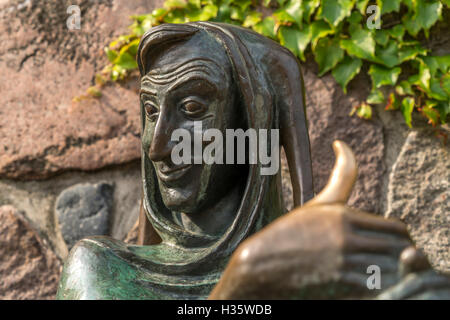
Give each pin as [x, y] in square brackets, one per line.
[341, 35]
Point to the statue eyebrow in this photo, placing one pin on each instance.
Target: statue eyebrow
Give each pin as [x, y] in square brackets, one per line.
[170, 70]
[195, 76]
[148, 91]
[171, 73]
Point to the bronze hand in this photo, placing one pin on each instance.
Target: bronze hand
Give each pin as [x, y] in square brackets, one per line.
[320, 250]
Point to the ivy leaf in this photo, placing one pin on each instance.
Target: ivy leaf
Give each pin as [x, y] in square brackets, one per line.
[355, 18]
[327, 54]
[94, 92]
[319, 29]
[209, 11]
[375, 97]
[404, 88]
[294, 9]
[266, 27]
[382, 76]
[295, 40]
[175, 16]
[444, 63]
[422, 79]
[138, 30]
[388, 56]
[363, 111]
[391, 56]
[410, 52]
[309, 7]
[242, 4]
[193, 14]
[432, 63]
[131, 48]
[283, 17]
[126, 61]
[206, 13]
[407, 108]
[397, 32]
[437, 90]
[410, 24]
[142, 23]
[392, 103]
[362, 5]
[117, 72]
[100, 80]
[111, 54]
[139, 18]
[430, 113]
[175, 4]
[236, 13]
[426, 13]
[444, 110]
[345, 71]
[195, 3]
[437, 63]
[223, 13]
[409, 3]
[158, 13]
[335, 11]
[120, 41]
[382, 37]
[389, 5]
[445, 83]
[361, 44]
[252, 19]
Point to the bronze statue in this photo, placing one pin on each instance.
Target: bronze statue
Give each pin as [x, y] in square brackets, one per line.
[194, 217]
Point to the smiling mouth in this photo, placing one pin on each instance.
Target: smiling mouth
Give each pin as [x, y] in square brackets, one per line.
[173, 174]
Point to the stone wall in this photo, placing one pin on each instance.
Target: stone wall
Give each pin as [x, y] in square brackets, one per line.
[59, 157]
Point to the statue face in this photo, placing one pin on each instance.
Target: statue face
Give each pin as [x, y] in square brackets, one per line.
[187, 82]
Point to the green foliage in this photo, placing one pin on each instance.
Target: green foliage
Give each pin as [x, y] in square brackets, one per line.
[363, 111]
[346, 71]
[407, 109]
[328, 54]
[338, 36]
[361, 44]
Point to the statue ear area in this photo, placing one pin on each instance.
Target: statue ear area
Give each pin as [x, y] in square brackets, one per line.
[342, 178]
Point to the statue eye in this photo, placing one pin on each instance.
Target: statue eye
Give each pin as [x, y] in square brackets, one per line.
[151, 111]
[193, 108]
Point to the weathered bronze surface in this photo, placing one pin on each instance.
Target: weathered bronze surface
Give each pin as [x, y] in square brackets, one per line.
[195, 217]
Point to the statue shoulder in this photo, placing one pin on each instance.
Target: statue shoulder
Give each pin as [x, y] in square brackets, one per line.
[94, 271]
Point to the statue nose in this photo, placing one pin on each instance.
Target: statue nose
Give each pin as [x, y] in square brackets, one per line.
[161, 145]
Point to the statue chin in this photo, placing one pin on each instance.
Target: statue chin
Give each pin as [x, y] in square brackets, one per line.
[180, 200]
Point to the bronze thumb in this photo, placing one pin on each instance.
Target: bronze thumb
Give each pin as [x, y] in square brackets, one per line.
[342, 178]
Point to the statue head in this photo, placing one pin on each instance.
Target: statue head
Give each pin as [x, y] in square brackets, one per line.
[187, 81]
[223, 77]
